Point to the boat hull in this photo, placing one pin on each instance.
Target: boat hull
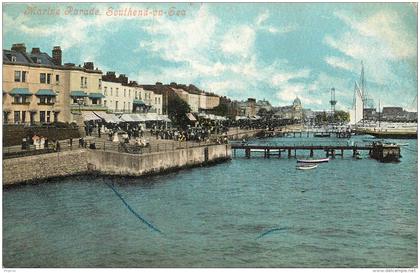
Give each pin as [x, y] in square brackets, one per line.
[322, 160]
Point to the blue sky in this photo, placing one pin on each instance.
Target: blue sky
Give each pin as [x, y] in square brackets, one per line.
[273, 51]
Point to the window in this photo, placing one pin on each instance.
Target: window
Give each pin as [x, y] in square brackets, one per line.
[129, 92]
[42, 78]
[136, 94]
[17, 76]
[24, 73]
[99, 83]
[95, 101]
[128, 108]
[85, 82]
[116, 92]
[124, 106]
[111, 91]
[125, 92]
[104, 102]
[116, 105]
[57, 79]
[155, 100]
[48, 116]
[105, 93]
[81, 82]
[23, 116]
[13, 58]
[49, 78]
[45, 100]
[17, 116]
[42, 116]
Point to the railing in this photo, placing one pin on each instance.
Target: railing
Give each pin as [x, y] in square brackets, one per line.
[101, 144]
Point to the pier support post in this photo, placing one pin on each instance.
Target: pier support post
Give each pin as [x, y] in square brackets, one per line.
[279, 153]
[333, 153]
[268, 153]
[354, 152]
[289, 153]
[247, 153]
[311, 154]
[342, 153]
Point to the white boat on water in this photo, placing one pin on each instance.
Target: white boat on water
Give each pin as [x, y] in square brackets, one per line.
[306, 167]
[321, 160]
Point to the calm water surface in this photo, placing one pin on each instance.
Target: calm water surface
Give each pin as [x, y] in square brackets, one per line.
[346, 213]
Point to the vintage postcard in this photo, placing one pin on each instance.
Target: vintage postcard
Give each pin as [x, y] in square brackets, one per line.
[210, 135]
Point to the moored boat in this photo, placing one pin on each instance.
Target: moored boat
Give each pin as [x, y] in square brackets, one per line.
[321, 160]
[306, 167]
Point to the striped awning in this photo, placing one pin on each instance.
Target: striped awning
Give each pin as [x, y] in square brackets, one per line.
[96, 95]
[45, 92]
[138, 102]
[89, 115]
[20, 91]
[191, 117]
[108, 118]
[78, 94]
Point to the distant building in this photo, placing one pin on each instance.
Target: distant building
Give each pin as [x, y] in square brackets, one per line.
[197, 99]
[397, 114]
[38, 88]
[291, 112]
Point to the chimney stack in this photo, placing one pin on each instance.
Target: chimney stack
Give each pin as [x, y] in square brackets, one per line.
[56, 55]
[19, 48]
[35, 50]
[88, 65]
[123, 79]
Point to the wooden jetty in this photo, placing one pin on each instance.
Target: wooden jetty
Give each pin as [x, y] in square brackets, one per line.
[315, 133]
[378, 151]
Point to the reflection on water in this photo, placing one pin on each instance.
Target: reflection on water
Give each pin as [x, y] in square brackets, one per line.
[346, 213]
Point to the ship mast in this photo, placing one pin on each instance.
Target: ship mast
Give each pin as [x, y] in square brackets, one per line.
[364, 92]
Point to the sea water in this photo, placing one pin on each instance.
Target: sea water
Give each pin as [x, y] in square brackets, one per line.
[243, 213]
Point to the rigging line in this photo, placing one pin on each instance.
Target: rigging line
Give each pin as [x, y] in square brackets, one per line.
[132, 210]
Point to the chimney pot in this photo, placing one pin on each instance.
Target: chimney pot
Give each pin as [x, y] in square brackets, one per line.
[35, 50]
[19, 47]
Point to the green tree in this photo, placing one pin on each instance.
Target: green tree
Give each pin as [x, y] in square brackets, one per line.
[177, 111]
[341, 116]
[221, 109]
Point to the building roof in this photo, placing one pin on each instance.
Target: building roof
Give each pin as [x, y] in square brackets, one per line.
[38, 59]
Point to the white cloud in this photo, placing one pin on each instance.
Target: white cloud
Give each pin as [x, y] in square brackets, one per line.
[345, 64]
[262, 17]
[239, 41]
[389, 29]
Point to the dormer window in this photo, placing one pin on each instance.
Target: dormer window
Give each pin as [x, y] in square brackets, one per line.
[13, 58]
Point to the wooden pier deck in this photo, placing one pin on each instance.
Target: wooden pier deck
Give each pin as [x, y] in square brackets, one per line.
[381, 152]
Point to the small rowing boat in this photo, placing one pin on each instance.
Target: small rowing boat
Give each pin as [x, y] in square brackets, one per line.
[321, 160]
[306, 167]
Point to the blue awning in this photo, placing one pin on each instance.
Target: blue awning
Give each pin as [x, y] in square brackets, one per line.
[138, 102]
[45, 92]
[96, 95]
[78, 94]
[20, 91]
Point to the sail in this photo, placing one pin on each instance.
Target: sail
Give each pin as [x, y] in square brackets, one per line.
[356, 113]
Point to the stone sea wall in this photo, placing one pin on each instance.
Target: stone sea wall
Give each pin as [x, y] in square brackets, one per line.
[46, 166]
[39, 167]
